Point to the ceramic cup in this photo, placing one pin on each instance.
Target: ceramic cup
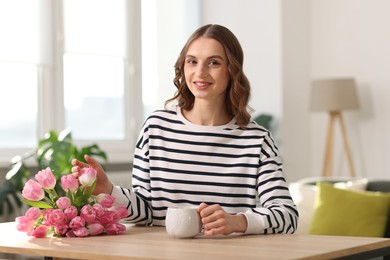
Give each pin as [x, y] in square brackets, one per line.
[183, 222]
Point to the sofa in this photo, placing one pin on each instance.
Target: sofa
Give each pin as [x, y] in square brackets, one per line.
[342, 206]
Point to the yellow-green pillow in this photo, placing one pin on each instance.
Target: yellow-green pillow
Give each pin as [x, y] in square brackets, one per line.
[349, 213]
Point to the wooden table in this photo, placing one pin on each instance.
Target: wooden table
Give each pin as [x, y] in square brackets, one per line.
[155, 243]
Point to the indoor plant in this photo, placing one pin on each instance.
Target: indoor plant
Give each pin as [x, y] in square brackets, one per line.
[55, 151]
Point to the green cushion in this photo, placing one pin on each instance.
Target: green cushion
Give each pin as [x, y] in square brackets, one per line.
[349, 213]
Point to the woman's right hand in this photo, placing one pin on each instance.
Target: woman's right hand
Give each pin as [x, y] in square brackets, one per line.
[103, 184]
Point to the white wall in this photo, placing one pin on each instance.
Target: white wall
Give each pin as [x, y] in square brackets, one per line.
[295, 126]
[257, 26]
[274, 68]
[352, 38]
[290, 42]
[164, 35]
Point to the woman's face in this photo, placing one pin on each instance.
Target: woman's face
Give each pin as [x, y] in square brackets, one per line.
[206, 69]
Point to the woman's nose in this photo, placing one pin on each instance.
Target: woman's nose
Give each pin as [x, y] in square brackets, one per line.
[202, 71]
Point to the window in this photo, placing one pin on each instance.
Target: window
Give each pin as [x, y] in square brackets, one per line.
[94, 63]
[77, 64]
[70, 64]
[18, 95]
[19, 54]
[166, 26]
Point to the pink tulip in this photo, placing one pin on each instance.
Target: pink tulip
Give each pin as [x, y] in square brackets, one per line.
[70, 212]
[77, 222]
[108, 217]
[46, 178]
[33, 191]
[121, 211]
[40, 231]
[99, 209]
[106, 200]
[70, 233]
[81, 232]
[24, 224]
[95, 229]
[64, 219]
[57, 217]
[87, 176]
[46, 215]
[63, 202]
[34, 213]
[115, 228]
[61, 229]
[69, 183]
[88, 213]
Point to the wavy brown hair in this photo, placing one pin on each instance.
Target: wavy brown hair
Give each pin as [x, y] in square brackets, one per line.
[238, 91]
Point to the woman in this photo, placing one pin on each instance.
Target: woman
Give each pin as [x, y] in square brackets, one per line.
[204, 151]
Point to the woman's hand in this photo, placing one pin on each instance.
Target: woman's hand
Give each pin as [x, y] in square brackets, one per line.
[217, 222]
[103, 184]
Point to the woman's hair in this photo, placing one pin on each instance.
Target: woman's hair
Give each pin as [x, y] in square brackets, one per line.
[238, 91]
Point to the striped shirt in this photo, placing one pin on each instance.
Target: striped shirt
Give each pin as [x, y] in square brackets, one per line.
[178, 163]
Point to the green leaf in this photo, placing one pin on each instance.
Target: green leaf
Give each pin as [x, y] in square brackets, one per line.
[38, 204]
[14, 170]
[53, 150]
[264, 120]
[94, 150]
[65, 135]
[88, 193]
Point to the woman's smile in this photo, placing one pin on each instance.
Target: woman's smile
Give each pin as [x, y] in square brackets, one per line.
[202, 85]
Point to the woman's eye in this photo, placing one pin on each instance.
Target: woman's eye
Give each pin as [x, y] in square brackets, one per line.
[214, 63]
[191, 62]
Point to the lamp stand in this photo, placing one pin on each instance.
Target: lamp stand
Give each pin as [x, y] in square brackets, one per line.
[328, 160]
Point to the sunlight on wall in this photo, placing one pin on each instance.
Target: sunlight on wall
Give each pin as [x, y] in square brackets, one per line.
[163, 36]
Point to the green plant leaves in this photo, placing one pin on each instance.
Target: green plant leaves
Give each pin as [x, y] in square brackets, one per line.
[264, 120]
[38, 204]
[55, 151]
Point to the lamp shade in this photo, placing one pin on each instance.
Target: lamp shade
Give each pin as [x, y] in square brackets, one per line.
[334, 94]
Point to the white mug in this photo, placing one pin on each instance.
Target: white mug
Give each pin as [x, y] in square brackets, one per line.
[183, 222]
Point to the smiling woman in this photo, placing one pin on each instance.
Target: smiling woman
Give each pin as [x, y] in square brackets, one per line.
[204, 151]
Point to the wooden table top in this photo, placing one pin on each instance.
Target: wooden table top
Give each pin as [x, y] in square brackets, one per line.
[154, 243]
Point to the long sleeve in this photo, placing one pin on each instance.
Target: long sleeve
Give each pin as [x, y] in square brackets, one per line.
[277, 212]
[137, 199]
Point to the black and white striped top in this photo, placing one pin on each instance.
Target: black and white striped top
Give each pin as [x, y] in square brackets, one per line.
[180, 163]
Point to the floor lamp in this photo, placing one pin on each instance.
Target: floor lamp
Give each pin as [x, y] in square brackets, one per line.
[334, 96]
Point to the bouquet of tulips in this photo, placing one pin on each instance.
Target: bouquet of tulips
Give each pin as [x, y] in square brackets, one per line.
[76, 214]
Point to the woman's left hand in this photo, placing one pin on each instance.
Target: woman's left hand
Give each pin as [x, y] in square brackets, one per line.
[217, 222]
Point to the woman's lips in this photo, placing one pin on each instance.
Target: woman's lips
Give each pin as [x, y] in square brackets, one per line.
[202, 85]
